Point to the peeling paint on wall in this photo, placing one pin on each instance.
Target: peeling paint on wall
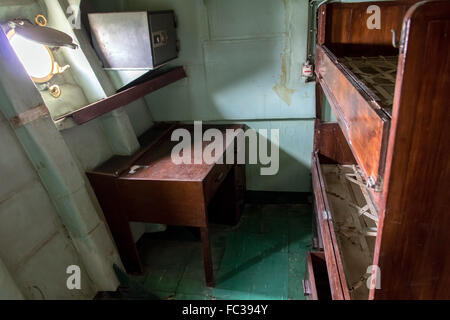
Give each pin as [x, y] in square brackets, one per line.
[284, 89]
[244, 60]
[281, 88]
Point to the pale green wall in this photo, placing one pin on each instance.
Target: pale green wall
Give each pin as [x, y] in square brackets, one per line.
[90, 145]
[243, 59]
[34, 245]
[49, 219]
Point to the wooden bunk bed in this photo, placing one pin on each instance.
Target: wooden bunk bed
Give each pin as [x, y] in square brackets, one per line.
[381, 174]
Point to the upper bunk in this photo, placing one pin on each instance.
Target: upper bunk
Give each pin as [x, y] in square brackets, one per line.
[357, 57]
[362, 40]
[399, 145]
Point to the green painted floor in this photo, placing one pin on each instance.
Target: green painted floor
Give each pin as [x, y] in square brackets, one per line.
[261, 258]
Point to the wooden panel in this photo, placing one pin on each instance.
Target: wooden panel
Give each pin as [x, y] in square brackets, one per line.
[331, 144]
[322, 20]
[157, 161]
[348, 248]
[347, 32]
[117, 165]
[364, 126]
[317, 240]
[166, 202]
[157, 164]
[351, 226]
[338, 284]
[309, 284]
[413, 246]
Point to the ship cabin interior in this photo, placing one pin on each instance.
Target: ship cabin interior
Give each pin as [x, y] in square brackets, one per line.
[224, 149]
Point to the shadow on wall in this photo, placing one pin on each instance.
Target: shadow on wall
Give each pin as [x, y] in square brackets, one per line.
[294, 168]
[239, 57]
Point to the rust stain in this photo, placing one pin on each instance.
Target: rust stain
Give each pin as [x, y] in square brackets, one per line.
[281, 88]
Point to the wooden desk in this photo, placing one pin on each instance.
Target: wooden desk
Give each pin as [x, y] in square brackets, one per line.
[163, 192]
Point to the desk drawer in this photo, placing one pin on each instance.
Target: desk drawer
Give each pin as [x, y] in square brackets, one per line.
[365, 126]
[214, 179]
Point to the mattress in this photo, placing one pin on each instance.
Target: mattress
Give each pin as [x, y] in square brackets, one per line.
[377, 75]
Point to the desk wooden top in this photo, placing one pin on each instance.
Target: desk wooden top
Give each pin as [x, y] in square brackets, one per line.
[155, 163]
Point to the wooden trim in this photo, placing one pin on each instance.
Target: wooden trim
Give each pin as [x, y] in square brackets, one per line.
[331, 144]
[346, 31]
[312, 295]
[417, 175]
[117, 165]
[357, 116]
[207, 257]
[338, 284]
[321, 24]
[332, 232]
[125, 97]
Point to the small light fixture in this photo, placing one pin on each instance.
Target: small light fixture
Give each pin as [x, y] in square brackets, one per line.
[32, 45]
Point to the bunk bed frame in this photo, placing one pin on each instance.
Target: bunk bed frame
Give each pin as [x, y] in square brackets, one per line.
[381, 174]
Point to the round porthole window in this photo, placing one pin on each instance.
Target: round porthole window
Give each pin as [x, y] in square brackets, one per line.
[32, 45]
[37, 58]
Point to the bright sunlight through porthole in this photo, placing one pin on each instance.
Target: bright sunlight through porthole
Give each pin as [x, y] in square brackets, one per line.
[37, 58]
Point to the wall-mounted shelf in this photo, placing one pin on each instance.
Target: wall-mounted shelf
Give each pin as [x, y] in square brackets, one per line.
[101, 107]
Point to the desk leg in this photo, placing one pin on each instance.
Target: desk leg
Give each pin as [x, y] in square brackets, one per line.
[207, 258]
[109, 197]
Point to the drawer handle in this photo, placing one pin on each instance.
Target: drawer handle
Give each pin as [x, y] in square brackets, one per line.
[219, 178]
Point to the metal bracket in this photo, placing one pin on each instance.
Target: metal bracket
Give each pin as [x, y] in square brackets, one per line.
[326, 215]
[135, 169]
[315, 243]
[306, 288]
[394, 39]
[374, 184]
[31, 115]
